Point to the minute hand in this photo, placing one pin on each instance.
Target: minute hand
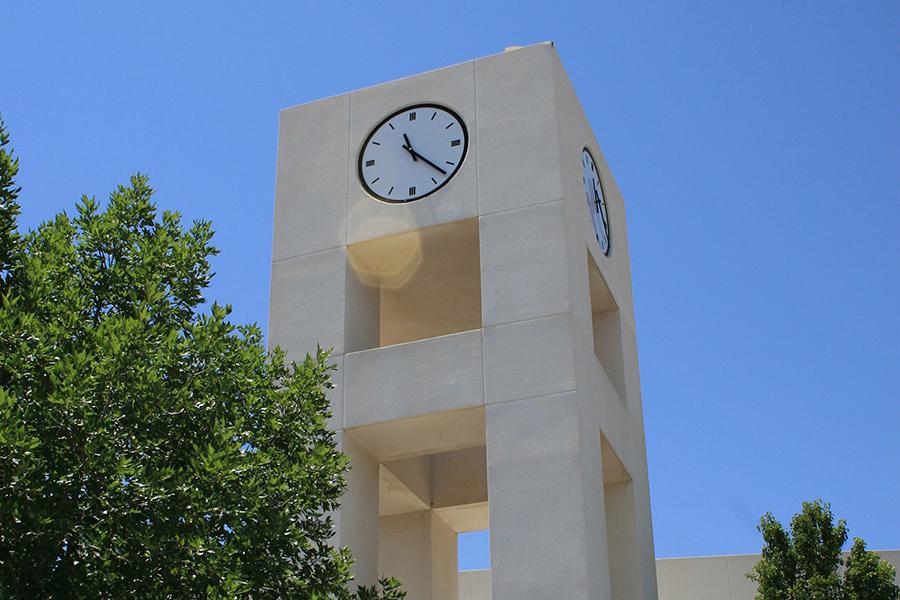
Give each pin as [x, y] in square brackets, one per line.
[417, 155]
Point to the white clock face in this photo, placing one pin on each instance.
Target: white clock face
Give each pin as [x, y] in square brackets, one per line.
[593, 191]
[413, 153]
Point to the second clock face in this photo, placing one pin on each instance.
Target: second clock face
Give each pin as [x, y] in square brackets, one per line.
[593, 191]
[413, 153]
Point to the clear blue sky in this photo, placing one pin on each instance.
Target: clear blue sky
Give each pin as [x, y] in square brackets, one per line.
[757, 145]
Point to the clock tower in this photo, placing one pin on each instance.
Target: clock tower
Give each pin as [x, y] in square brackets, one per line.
[459, 241]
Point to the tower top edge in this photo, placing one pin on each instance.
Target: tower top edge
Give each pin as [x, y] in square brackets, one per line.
[506, 50]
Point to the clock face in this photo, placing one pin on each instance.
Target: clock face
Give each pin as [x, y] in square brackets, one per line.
[593, 191]
[413, 153]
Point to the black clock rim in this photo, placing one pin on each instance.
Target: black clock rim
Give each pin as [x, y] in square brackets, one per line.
[462, 159]
[604, 217]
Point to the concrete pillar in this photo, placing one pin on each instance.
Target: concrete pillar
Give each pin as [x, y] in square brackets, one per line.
[444, 561]
[357, 522]
[544, 471]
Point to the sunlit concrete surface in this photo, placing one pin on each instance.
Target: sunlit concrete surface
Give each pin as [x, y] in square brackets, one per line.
[488, 374]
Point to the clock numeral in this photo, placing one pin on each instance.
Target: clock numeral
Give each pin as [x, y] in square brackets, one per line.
[412, 116]
[377, 143]
[449, 126]
[370, 163]
[450, 162]
[433, 115]
[455, 143]
[374, 181]
[433, 180]
[391, 125]
[390, 190]
[412, 191]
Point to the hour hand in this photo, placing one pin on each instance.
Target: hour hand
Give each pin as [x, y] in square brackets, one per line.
[408, 148]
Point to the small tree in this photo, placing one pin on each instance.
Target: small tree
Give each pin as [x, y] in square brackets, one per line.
[867, 576]
[804, 564]
[148, 448]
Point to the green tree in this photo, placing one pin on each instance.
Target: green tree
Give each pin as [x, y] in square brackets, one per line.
[9, 206]
[150, 448]
[867, 576]
[804, 564]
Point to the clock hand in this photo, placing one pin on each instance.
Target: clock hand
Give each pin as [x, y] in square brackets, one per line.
[416, 154]
[408, 147]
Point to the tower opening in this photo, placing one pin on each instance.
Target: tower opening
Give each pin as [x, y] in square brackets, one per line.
[426, 495]
[621, 526]
[411, 286]
[607, 331]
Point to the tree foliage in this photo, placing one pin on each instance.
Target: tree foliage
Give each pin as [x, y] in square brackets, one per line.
[867, 576]
[150, 448]
[9, 206]
[805, 563]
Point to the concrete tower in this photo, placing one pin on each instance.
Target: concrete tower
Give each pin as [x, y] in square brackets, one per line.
[485, 342]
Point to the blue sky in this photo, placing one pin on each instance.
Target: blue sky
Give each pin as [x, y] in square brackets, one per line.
[757, 145]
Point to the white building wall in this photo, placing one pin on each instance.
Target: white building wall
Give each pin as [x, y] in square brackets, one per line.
[475, 585]
[719, 577]
[694, 578]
